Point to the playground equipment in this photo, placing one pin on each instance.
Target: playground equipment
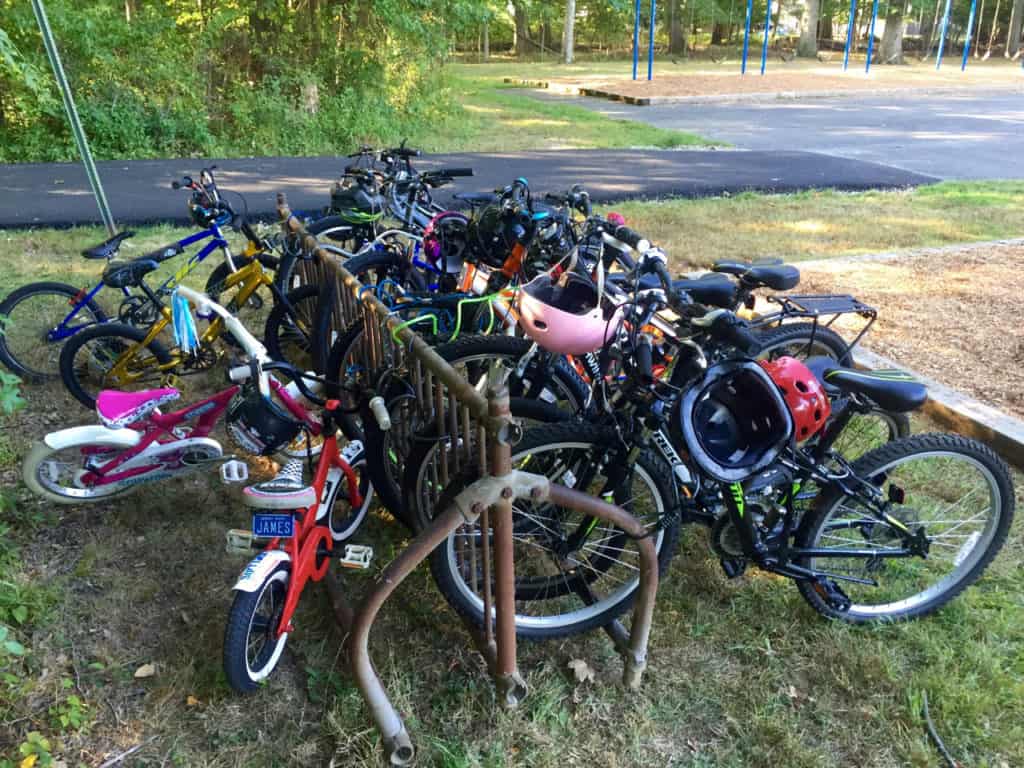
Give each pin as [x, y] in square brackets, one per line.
[746, 36]
[650, 40]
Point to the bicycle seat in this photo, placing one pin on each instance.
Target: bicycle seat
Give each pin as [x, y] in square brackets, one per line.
[285, 491]
[778, 277]
[890, 389]
[119, 409]
[476, 198]
[125, 274]
[107, 248]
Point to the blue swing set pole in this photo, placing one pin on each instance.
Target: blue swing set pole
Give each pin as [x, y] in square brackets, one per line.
[636, 36]
[967, 40]
[849, 34]
[650, 44]
[871, 35]
[764, 45]
[942, 37]
[746, 36]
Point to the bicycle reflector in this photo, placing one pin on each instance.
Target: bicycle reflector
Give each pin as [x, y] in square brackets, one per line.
[185, 334]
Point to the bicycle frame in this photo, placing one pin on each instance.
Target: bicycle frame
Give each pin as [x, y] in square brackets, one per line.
[309, 547]
[249, 279]
[63, 331]
[159, 429]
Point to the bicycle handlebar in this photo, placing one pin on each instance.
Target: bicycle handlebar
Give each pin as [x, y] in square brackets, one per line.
[248, 342]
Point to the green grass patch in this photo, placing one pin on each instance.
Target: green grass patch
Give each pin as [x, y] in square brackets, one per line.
[494, 117]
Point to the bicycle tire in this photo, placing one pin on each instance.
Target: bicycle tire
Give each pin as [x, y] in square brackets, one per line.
[653, 470]
[880, 463]
[282, 326]
[240, 674]
[126, 333]
[794, 335]
[8, 309]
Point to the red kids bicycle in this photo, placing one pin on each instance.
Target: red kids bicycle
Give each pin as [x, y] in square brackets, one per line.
[301, 523]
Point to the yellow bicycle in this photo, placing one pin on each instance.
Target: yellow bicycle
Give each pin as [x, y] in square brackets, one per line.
[124, 357]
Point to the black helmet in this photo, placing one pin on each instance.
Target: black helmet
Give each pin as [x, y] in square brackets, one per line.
[496, 230]
[206, 214]
[734, 422]
[258, 424]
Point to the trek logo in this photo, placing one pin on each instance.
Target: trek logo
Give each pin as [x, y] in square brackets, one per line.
[250, 569]
[199, 410]
[737, 496]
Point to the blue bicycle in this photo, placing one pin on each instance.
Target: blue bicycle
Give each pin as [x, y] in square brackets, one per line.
[36, 317]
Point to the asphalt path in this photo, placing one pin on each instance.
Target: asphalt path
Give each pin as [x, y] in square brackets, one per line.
[58, 194]
[964, 136]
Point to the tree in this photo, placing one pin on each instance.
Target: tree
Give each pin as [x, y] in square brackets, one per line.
[891, 50]
[1016, 22]
[569, 31]
[522, 26]
[676, 35]
[808, 46]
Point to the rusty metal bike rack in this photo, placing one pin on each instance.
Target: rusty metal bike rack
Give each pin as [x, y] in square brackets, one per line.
[479, 430]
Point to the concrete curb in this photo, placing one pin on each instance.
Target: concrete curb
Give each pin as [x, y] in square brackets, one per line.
[962, 414]
[728, 98]
[937, 250]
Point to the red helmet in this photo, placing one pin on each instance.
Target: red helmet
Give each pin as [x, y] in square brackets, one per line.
[803, 393]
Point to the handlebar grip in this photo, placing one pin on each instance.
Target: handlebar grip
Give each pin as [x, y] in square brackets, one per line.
[730, 329]
[239, 373]
[380, 413]
[662, 272]
[645, 367]
[454, 172]
[631, 238]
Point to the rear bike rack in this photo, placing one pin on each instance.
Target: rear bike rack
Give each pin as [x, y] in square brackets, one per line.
[476, 432]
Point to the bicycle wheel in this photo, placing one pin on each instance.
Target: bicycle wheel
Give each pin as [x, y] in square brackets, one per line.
[290, 333]
[955, 490]
[387, 272]
[251, 646]
[344, 519]
[31, 313]
[257, 308]
[56, 474]
[564, 588]
[88, 357]
[867, 431]
[802, 340]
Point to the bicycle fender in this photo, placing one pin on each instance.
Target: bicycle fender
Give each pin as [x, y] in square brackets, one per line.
[94, 434]
[258, 569]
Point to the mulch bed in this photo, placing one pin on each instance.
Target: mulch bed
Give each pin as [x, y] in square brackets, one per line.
[954, 316]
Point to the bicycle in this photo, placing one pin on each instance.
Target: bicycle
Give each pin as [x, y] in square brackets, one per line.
[38, 320]
[121, 356]
[138, 444]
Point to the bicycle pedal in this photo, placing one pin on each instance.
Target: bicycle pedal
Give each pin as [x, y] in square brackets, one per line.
[357, 556]
[171, 380]
[234, 471]
[240, 542]
[733, 567]
[833, 595]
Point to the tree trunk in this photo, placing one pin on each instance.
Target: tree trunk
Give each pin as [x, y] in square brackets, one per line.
[778, 17]
[569, 31]
[676, 35]
[977, 32]
[487, 41]
[928, 29]
[891, 50]
[807, 48]
[522, 28]
[992, 32]
[719, 32]
[1016, 22]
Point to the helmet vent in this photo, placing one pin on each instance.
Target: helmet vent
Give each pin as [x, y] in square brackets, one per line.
[540, 324]
[801, 386]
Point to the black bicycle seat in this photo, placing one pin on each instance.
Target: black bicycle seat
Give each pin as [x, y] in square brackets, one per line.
[778, 278]
[107, 248]
[892, 390]
[710, 289]
[126, 274]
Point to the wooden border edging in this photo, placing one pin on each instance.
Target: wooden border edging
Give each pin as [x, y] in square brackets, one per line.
[961, 413]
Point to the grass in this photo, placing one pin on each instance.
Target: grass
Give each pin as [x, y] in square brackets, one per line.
[496, 117]
[824, 224]
[741, 673]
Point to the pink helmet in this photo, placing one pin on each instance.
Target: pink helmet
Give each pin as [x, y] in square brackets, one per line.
[564, 317]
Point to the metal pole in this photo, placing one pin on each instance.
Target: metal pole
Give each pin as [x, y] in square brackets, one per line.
[650, 43]
[967, 39]
[72, 113]
[871, 35]
[636, 36]
[942, 37]
[764, 45]
[746, 36]
[849, 34]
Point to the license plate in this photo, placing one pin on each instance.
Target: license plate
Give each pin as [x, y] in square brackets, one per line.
[273, 526]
